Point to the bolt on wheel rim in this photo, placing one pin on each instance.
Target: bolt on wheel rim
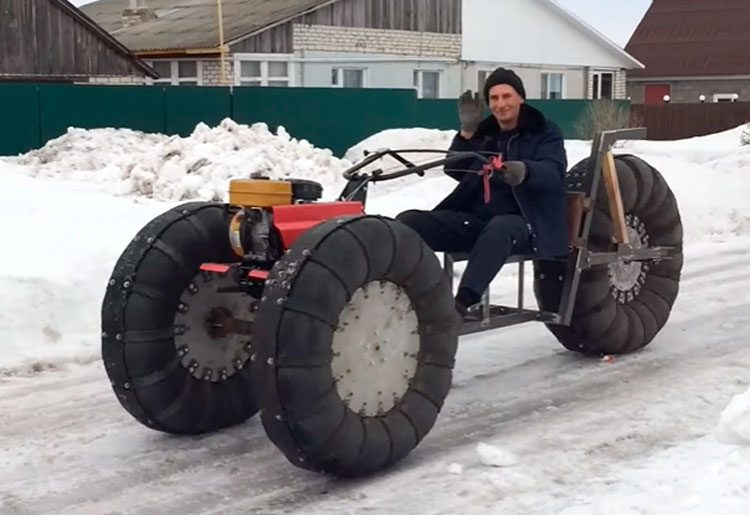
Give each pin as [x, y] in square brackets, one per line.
[375, 348]
[205, 352]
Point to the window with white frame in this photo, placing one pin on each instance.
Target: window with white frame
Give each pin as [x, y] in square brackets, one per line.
[274, 73]
[552, 85]
[427, 83]
[603, 85]
[178, 73]
[348, 77]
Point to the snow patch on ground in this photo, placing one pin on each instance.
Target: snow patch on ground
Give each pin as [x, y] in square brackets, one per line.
[492, 456]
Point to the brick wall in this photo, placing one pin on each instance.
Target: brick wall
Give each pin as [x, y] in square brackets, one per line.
[621, 84]
[212, 72]
[117, 80]
[377, 41]
[690, 91]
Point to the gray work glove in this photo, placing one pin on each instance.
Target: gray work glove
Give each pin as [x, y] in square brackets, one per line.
[470, 111]
[513, 172]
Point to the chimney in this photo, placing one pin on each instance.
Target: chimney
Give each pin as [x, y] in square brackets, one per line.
[137, 13]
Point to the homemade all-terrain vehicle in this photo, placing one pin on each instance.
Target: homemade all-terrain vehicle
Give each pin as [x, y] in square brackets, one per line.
[339, 327]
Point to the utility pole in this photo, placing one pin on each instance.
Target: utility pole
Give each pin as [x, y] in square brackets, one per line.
[221, 43]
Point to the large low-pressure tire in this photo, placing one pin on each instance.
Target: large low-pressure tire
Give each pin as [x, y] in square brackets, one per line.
[356, 337]
[621, 307]
[166, 369]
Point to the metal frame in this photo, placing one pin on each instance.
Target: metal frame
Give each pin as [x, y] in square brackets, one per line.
[492, 316]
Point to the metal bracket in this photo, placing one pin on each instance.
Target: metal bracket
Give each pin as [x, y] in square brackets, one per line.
[600, 153]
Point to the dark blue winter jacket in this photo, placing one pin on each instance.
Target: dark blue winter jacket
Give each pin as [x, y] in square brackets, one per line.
[541, 197]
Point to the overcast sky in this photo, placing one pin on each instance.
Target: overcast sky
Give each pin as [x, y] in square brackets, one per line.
[616, 20]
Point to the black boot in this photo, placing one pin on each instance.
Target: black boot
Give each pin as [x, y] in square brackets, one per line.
[466, 298]
[461, 309]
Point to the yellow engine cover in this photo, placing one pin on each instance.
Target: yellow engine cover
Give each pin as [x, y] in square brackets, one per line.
[259, 193]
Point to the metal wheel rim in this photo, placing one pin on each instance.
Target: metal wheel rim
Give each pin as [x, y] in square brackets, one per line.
[208, 357]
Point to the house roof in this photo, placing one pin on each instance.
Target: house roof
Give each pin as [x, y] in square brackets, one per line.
[193, 24]
[105, 36]
[630, 61]
[684, 38]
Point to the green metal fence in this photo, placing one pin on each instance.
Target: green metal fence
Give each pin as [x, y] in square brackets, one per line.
[333, 118]
[184, 108]
[20, 128]
[65, 105]
[327, 117]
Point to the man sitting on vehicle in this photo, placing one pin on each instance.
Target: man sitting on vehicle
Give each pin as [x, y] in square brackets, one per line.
[526, 212]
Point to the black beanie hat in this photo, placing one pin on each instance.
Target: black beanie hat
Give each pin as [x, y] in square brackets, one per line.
[503, 76]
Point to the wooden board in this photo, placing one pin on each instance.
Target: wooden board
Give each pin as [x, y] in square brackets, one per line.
[616, 209]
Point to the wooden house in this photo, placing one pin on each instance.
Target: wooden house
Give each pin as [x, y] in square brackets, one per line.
[51, 40]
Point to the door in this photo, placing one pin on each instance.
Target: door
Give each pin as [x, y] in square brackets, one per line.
[654, 93]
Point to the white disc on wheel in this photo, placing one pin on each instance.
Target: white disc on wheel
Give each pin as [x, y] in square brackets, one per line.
[375, 348]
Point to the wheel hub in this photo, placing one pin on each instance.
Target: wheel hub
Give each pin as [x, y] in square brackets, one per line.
[626, 278]
[375, 348]
[213, 328]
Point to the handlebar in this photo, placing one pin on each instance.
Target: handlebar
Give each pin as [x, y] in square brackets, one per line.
[410, 168]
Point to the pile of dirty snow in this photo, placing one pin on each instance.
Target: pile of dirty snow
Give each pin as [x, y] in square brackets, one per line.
[199, 166]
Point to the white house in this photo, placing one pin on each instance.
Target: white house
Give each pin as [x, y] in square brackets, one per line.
[439, 47]
[555, 53]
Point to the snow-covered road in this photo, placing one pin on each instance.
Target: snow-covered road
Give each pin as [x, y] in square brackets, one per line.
[581, 430]
[527, 428]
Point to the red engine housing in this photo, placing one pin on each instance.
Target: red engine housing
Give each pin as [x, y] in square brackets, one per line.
[293, 220]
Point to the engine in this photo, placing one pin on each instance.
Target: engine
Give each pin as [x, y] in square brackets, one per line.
[251, 229]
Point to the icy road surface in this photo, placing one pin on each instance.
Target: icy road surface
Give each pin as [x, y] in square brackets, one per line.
[579, 428]
[528, 427]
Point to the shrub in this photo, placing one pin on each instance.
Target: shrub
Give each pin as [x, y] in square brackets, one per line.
[602, 115]
[745, 135]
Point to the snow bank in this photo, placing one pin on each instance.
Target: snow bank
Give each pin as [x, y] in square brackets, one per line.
[416, 138]
[709, 177]
[61, 240]
[734, 424]
[403, 139]
[697, 477]
[127, 162]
